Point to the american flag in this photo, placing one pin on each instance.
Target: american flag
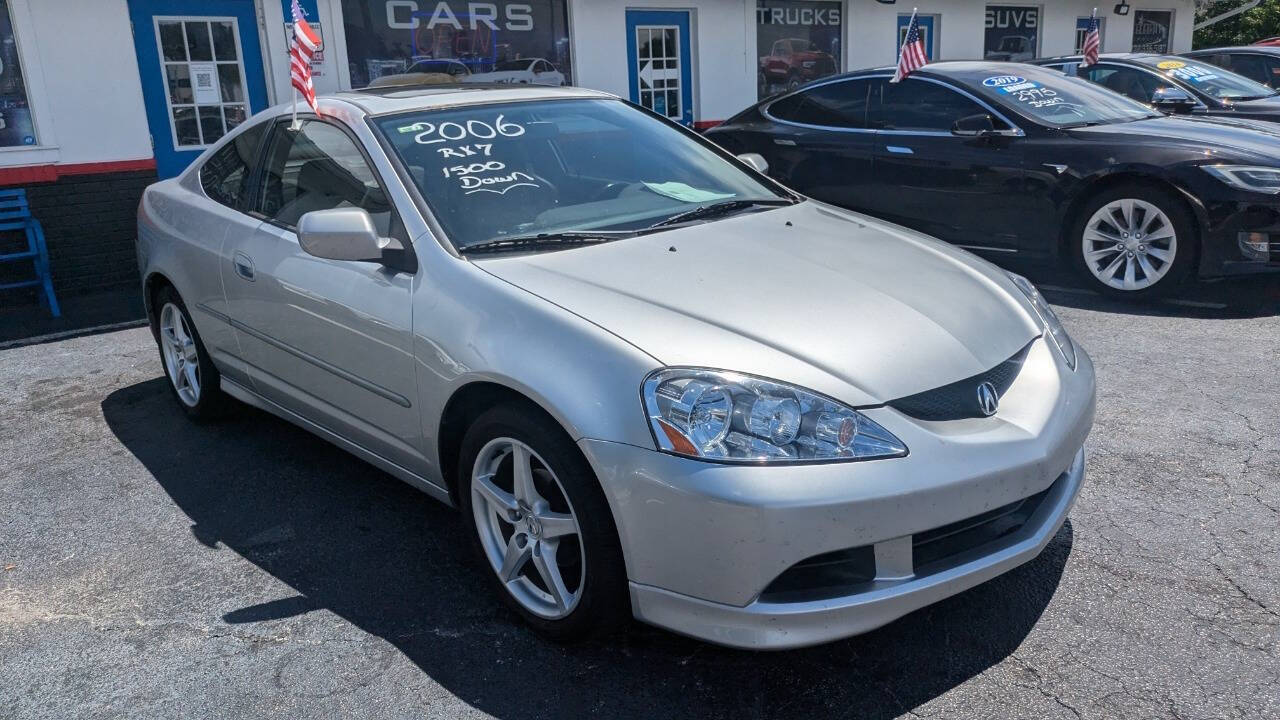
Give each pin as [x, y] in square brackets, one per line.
[1092, 41]
[301, 49]
[912, 57]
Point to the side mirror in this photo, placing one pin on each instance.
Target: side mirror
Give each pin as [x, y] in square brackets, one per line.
[349, 234]
[755, 160]
[980, 125]
[1172, 100]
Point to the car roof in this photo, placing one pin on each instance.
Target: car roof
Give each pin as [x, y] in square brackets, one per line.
[407, 98]
[1130, 56]
[960, 70]
[1262, 49]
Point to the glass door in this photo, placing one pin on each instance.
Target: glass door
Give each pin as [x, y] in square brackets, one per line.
[659, 62]
[201, 68]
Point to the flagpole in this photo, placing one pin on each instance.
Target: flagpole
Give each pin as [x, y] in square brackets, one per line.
[294, 125]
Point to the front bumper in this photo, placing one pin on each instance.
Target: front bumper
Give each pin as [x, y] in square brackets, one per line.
[703, 541]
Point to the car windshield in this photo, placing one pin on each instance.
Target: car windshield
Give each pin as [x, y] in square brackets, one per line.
[509, 65]
[505, 170]
[1211, 80]
[1057, 100]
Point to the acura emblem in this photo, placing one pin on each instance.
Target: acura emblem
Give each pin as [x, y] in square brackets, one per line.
[988, 400]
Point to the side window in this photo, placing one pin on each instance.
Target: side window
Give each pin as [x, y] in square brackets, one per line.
[838, 104]
[1130, 82]
[1273, 72]
[225, 176]
[915, 104]
[1253, 67]
[318, 167]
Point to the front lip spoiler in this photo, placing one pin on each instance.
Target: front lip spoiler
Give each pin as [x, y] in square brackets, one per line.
[780, 626]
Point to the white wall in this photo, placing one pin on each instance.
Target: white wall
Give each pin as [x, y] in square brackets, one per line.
[82, 83]
[723, 53]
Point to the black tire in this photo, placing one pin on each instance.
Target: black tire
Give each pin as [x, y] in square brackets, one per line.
[210, 402]
[1181, 222]
[604, 606]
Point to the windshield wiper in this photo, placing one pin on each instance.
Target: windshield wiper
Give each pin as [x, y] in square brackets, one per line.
[543, 241]
[723, 207]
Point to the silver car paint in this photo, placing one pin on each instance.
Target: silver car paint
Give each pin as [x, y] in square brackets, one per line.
[577, 331]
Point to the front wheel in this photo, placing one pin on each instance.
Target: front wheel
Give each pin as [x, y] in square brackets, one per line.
[1134, 242]
[541, 524]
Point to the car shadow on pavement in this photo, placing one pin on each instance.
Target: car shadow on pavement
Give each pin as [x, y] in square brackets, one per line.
[1229, 298]
[395, 563]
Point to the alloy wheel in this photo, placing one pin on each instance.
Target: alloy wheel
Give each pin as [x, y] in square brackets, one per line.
[181, 357]
[528, 529]
[1129, 244]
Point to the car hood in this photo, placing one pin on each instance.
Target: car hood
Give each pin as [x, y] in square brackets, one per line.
[860, 310]
[1215, 134]
[1262, 107]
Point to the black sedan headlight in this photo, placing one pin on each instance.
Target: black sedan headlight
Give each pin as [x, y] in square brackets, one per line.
[1255, 178]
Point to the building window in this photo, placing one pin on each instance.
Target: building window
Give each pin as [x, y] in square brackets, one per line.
[1152, 30]
[204, 78]
[797, 41]
[498, 41]
[1082, 28]
[1013, 33]
[16, 127]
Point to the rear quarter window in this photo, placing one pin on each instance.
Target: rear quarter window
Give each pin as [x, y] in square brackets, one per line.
[225, 175]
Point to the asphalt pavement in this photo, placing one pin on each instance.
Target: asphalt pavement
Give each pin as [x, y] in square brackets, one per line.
[154, 568]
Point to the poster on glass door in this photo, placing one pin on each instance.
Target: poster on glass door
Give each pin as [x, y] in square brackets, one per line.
[395, 42]
[1012, 33]
[1151, 30]
[797, 41]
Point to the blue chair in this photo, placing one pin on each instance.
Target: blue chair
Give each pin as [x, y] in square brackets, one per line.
[15, 214]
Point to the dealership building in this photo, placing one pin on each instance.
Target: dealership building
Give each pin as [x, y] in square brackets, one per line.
[98, 99]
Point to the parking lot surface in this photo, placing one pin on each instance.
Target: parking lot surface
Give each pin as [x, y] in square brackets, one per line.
[150, 567]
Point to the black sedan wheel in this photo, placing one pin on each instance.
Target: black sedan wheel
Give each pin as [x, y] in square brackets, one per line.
[1134, 241]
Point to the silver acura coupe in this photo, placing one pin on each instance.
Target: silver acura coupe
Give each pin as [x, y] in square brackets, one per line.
[655, 382]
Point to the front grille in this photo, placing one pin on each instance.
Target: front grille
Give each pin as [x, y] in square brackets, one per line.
[853, 570]
[959, 400]
[943, 547]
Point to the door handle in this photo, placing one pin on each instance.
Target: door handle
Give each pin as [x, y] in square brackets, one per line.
[781, 141]
[899, 150]
[244, 266]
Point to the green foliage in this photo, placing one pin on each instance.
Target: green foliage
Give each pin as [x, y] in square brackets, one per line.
[1244, 29]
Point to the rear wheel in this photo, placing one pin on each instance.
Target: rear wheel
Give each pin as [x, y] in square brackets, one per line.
[193, 379]
[1134, 241]
[542, 525]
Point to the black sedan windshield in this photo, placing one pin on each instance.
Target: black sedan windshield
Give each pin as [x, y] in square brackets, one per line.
[1213, 81]
[1053, 99]
[490, 171]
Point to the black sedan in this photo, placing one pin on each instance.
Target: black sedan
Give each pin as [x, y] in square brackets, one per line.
[1175, 84]
[1016, 160]
[1260, 63]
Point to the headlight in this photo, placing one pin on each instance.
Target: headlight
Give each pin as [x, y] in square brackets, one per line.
[1050, 318]
[808, 64]
[1247, 177]
[729, 417]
